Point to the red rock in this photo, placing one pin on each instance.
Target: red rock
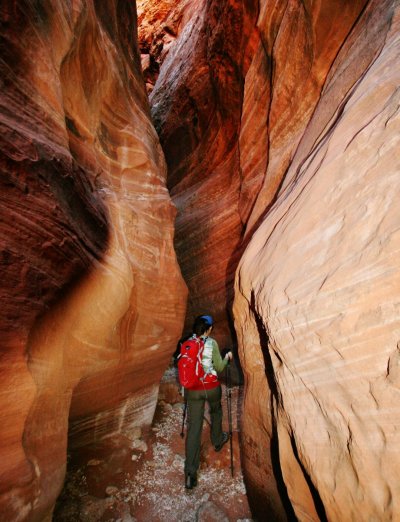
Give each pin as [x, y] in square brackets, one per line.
[280, 129]
[246, 105]
[317, 290]
[227, 145]
[92, 298]
[159, 24]
[301, 41]
[196, 106]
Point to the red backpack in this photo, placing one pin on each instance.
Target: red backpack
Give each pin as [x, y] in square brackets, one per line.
[190, 369]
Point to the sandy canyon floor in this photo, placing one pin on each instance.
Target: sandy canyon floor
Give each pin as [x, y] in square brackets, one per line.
[141, 479]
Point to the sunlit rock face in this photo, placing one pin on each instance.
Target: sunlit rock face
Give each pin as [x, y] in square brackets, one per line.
[92, 298]
[159, 25]
[317, 297]
[278, 124]
[233, 98]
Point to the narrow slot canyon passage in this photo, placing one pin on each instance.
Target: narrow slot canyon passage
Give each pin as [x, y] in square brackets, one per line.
[163, 159]
[139, 476]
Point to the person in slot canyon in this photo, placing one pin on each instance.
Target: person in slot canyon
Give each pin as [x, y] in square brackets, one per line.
[208, 390]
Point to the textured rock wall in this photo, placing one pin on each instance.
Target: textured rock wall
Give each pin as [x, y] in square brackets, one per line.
[196, 106]
[278, 121]
[159, 25]
[317, 301]
[230, 105]
[92, 298]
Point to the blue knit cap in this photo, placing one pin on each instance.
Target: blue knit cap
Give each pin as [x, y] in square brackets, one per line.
[208, 318]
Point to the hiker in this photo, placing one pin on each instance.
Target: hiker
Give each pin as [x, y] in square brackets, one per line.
[208, 389]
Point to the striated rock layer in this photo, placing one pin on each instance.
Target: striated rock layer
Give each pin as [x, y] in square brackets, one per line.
[92, 298]
[233, 97]
[317, 297]
[196, 106]
[278, 122]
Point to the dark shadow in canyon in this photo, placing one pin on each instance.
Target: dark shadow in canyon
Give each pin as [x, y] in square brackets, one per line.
[274, 442]
[230, 272]
[319, 506]
[68, 229]
[276, 399]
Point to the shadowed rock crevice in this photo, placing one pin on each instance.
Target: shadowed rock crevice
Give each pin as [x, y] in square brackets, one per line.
[275, 402]
[197, 109]
[319, 506]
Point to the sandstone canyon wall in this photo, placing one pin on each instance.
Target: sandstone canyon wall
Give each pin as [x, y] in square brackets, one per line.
[196, 106]
[318, 296]
[280, 126]
[90, 284]
[230, 105]
[279, 123]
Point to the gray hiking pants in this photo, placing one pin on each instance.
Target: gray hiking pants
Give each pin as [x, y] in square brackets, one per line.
[195, 403]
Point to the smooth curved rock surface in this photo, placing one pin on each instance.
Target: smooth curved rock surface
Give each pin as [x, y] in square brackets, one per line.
[196, 106]
[234, 95]
[92, 298]
[250, 143]
[317, 297]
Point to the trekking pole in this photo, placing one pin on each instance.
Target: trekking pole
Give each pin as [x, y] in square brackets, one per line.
[229, 407]
[183, 419]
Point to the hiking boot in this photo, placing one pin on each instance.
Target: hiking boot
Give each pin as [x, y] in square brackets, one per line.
[225, 438]
[190, 481]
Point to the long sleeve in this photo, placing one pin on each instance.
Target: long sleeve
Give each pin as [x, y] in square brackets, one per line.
[218, 363]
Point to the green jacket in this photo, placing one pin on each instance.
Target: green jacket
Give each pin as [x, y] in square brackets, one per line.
[211, 360]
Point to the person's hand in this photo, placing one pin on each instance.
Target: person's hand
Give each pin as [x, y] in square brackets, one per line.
[229, 356]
